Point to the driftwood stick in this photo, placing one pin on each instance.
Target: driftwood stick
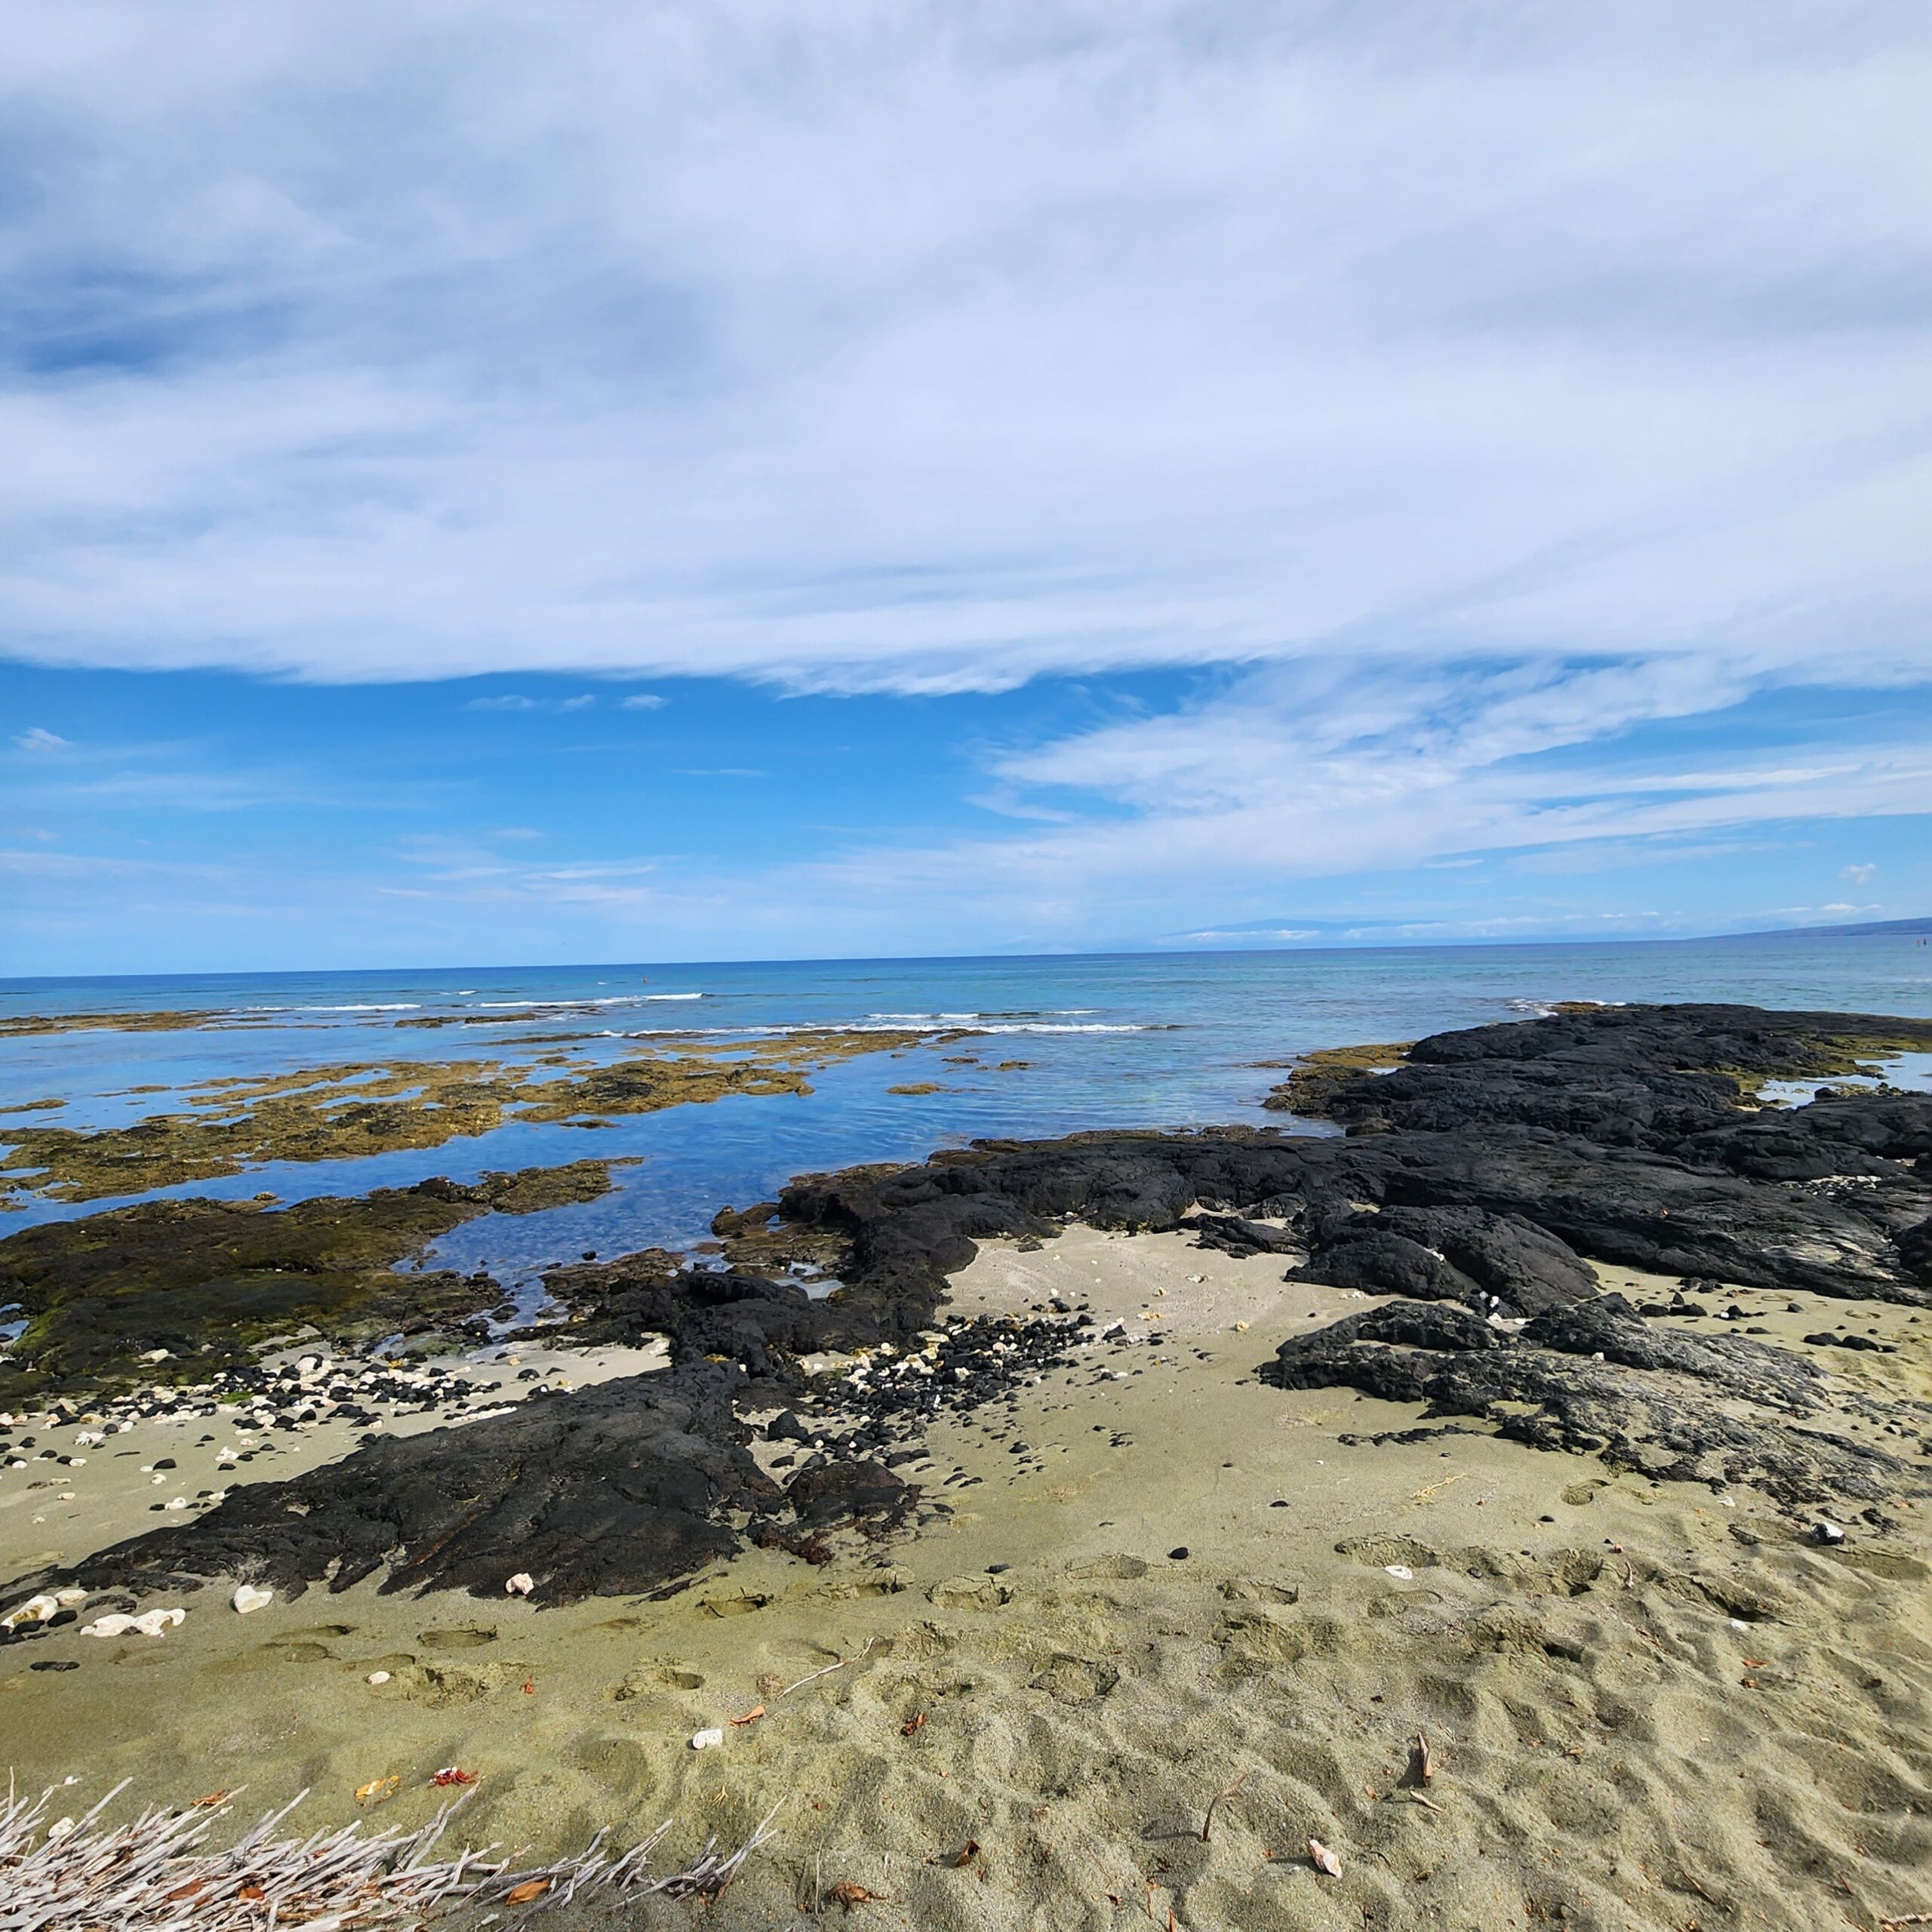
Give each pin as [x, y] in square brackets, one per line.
[812, 1676]
[1221, 1797]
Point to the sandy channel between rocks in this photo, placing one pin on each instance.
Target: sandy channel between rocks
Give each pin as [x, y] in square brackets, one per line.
[1648, 1705]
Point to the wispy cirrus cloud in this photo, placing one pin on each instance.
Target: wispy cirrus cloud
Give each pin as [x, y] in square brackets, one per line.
[518, 701]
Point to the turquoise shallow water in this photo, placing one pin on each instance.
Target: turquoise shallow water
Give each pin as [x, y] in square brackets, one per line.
[1135, 1040]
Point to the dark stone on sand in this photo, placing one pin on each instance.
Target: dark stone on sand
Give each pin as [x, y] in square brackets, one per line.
[624, 1488]
[1232, 1234]
[1594, 1379]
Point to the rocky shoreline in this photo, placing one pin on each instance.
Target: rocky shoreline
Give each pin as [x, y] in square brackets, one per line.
[1477, 1185]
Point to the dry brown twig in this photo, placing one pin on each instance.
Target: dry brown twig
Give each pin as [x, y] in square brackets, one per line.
[1422, 1760]
[1221, 1797]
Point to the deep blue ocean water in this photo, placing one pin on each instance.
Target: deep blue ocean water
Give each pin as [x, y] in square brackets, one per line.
[1129, 1040]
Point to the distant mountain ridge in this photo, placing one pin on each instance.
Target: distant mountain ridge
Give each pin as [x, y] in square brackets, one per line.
[1875, 929]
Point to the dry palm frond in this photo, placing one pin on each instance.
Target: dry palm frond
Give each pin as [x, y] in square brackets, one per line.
[157, 1874]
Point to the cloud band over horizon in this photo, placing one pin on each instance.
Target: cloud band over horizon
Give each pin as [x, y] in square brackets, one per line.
[1416, 432]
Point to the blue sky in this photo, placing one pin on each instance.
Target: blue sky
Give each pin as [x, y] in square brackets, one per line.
[701, 481]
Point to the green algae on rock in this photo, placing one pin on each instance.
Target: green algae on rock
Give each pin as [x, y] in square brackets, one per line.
[17, 1025]
[209, 1281]
[345, 1112]
[1317, 1078]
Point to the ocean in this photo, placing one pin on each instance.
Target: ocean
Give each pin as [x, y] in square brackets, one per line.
[1168, 1040]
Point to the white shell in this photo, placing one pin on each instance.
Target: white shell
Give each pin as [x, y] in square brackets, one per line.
[520, 1585]
[252, 1596]
[1323, 1859]
[1401, 1570]
[376, 1677]
[704, 1740]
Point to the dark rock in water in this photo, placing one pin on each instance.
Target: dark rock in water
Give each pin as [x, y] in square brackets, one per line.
[1491, 1167]
[206, 1280]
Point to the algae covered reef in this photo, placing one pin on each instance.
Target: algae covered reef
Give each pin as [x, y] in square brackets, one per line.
[210, 1281]
[162, 1020]
[375, 1106]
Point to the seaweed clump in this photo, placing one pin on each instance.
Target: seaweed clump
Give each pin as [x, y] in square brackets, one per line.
[350, 1110]
[208, 1281]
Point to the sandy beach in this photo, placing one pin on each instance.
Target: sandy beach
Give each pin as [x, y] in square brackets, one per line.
[1646, 1705]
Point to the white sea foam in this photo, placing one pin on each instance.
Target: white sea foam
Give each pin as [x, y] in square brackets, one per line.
[530, 1005]
[396, 1006]
[674, 996]
[1051, 1027]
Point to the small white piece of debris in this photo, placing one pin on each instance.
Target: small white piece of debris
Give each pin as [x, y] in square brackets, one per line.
[114, 1624]
[1197, 1279]
[376, 1677]
[66, 1599]
[1738, 1623]
[1401, 1570]
[252, 1596]
[520, 1585]
[1323, 1860]
[1825, 1531]
[704, 1740]
[154, 1622]
[1241, 1328]
[60, 1828]
[178, 1502]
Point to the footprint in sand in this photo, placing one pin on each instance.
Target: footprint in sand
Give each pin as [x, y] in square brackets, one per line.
[457, 1637]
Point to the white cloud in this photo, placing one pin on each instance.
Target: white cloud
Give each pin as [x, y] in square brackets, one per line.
[38, 738]
[1301, 774]
[515, 701]
[1859, 875]
[642, 701]
[887, 346]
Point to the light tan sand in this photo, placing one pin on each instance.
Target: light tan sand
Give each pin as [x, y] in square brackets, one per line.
[1640, 1717]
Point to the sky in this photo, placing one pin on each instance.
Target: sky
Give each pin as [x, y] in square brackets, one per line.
[510, 483]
